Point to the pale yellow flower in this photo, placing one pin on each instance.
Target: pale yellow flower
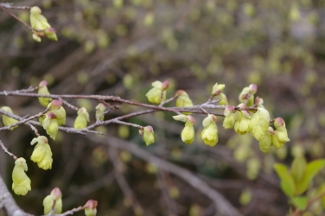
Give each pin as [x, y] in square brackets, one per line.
[42, 154]
[21, 184]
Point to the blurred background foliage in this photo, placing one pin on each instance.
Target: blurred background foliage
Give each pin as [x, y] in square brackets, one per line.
[119, 47]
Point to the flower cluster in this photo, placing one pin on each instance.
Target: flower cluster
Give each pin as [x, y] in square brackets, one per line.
[250, 116]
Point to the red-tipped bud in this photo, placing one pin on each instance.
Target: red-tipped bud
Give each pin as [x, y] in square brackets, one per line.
[90, 208]
[229, 109]
[42, 84]
[56, 104]
[279, 122]
[91, 204]
[191, 119]
[165, 85]
[56, 193]
[252, 88]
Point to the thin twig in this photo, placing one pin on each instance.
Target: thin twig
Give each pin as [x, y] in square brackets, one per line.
[7, 152]
[222, 205]
[118, 169]
[4, 8]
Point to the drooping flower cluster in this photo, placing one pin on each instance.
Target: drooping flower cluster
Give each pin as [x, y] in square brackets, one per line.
[251, 117]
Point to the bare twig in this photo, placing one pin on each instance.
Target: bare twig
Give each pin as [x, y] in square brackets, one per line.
[6, 151]
[118, 169]
[222, 205]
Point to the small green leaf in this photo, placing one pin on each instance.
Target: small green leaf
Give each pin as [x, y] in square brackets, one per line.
[300, 202]
[311, 170]
[287, 182]
[298, 168]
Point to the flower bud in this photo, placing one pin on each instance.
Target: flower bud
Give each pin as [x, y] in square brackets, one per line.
[148, 135]
[209, 135]
[6, 119]
[223, 99]
[217, 89]
[188, 132]
[266, 142]
[42, 89]
[82, 119]
[230, 117]
[100, 109]
[252, 88]
[260, 123]
[165, 85]
[90, 208]
[183, 118]
[53, 202]
[157, 94]
[281, 134]
[37, 20]
[42, 154]
[58, 110]
[21, 184]
[50, 34]
[50, 124]
[243, 122]
[183, 99]
[36, 38]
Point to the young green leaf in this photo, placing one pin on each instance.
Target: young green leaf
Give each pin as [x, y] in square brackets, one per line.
[300, 202]
[287, 182]
[311, 170]
[298, 168]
